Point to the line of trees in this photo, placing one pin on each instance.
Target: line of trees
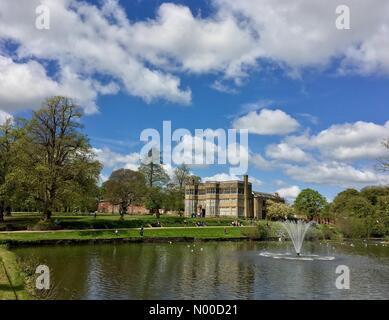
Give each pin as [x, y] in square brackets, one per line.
[358, 214]
[150, 186]
[47, 165]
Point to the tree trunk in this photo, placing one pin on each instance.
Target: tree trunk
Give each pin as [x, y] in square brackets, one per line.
[46, 212]
[1, 213]
[123, 209]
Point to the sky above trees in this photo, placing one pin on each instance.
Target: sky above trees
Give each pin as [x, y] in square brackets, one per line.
[314, 98]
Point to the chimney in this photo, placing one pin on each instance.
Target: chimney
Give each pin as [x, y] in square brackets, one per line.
[246, 195]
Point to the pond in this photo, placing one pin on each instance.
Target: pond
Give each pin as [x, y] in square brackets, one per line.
[211, 270]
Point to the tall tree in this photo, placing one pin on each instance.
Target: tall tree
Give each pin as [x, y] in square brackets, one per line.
[54, 153]
[124, 187]
[310, 203]
[154, 200]
[181, 175]
[340, 204]
[153, 170]
[7, 138]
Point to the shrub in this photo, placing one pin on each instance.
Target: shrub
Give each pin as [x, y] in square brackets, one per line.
[353, 227]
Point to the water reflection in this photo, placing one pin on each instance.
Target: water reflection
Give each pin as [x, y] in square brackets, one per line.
[233, 270]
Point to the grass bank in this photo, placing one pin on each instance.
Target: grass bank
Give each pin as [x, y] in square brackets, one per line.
[12, 285]
[31, 221]
[76, 236]
[263, 230]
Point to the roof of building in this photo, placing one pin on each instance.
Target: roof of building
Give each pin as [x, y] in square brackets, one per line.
[266, 195]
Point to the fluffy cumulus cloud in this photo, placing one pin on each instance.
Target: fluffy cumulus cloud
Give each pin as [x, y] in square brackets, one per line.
[26, 85]
[198, 45]
[260, 162]
[146, 58]
[267, 122]
[84, 41]
[289, 193]
[4, 116]
[336, 174]
[113, 160]
[343, 154]
[345, 142]
[283, 151]
[302, 33]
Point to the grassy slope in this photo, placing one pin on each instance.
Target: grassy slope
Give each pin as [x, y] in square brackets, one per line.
[20, 221]
[199, 232]
[8, 259]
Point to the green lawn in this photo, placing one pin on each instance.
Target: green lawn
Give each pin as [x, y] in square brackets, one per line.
[23, 221]
[11, 279]
[197, 232]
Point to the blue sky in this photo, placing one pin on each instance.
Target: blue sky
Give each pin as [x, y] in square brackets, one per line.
[214, 64]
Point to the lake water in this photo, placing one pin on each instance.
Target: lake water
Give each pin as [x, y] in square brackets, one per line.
[213, 270]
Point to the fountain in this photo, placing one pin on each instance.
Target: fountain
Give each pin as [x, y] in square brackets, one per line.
[296, 232]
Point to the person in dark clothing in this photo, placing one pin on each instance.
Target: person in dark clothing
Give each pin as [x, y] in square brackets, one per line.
[141, 231]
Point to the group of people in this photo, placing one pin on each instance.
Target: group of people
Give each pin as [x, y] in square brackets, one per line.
[198, 215]
[236, 223]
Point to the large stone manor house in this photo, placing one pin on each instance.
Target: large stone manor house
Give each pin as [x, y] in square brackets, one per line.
[227, 198]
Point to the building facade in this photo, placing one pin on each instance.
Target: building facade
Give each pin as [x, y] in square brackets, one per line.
[107, 207]
[227, 198]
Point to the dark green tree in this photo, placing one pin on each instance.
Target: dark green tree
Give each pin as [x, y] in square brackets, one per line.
[340, 204]
[54, 153]
[124, 188]
[372, 193]
[310, 203]
[154, 200]
[8, 135]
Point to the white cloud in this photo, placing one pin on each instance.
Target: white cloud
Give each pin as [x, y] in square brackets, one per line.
[144, 58]
[352, 141]
[114, 160]
[260, 162]
[267, 122]
[84, 41]
[289, 193]
[349, 141]
[26, 85]
[302, 33]
[217, 43]
[221, 177]
[335, 173]
[221, 87]
[283, 151]
[4, 116]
